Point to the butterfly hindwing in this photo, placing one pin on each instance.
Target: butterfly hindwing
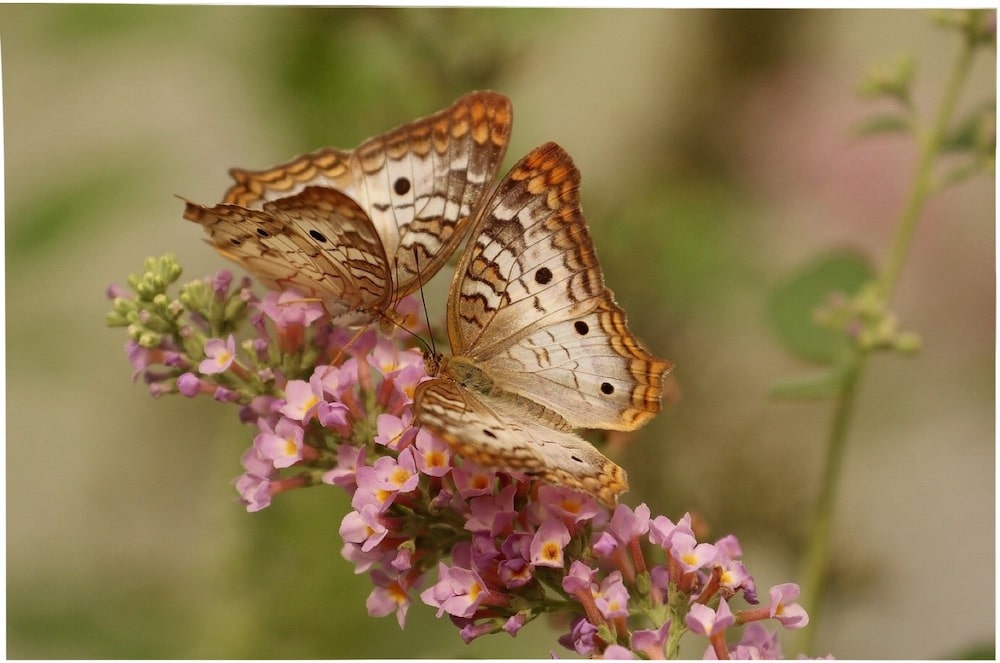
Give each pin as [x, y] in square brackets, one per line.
[318, 241]
[493, 432]
[588, 368]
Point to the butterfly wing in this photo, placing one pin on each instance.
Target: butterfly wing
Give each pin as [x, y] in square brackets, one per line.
[327, 167]
[494, 432]
[423, 182]
[318, 241]
[528, 304]
[420, 183]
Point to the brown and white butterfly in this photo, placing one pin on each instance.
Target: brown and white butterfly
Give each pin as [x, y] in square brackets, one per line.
[361, 229]
[539, 345]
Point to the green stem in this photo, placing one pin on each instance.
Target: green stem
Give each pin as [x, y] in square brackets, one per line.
[923, 184]
[814, 563]
[817, 553]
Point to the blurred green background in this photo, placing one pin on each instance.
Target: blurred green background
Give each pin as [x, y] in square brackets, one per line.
[717, 159]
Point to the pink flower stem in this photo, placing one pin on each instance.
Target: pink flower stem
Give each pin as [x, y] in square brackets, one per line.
[718, 641]
[753, 615]
[635, 547]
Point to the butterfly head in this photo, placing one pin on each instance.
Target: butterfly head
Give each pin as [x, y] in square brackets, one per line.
[434, 362]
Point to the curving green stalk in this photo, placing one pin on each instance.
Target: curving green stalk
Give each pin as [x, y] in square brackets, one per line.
[815, 560]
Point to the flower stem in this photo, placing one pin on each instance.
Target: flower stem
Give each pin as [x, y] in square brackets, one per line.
[924, 185]
[817, 553]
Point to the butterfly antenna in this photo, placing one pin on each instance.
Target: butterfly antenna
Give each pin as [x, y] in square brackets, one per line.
[423, 300]
[411, 333]
[340, 354]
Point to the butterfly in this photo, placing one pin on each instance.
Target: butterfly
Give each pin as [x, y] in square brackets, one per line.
[361, 229]
[539, 346]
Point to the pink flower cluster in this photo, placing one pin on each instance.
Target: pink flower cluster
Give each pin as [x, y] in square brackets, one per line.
[490, 549]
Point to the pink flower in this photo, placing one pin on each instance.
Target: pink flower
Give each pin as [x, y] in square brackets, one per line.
[363, 561]
[579, 578]
[757, 643]
[548, 543]
[283, 446]
[689, 553]
[221, 282]
[492, 514]
[302, 399]
[400, 474]
[410, 314]
[515, 622]
[191, 385]
[255, 463]
[733, 575]
[335, 380]
[349, 459]
[290, 308]
[457, 592]
[563, 502]
[394, 432]
[335, 416]
[472, 480]
[403, 561]
[791, 615]
[343, 340]
[606, 544]
[662, 530]
[704, 621]
[729, 546]
[627, 525]
[219, 355]
[651, 643]
[433, 454]
[363, 527]
[581, 637]
[515, 573]
[388, 359]
[254, 490]
[379, 484]
[388, 597]
[612, 597]
[617, 653]
[471, 630]
[405, 382]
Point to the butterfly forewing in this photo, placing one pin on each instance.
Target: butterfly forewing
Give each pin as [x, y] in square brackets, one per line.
[319, 242]
[326, 167]
[530, 306]
[423, 182]
[529, 258]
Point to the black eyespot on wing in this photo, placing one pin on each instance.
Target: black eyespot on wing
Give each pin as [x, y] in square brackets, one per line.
[263, 233]
[317, 235]
[489, 433]
[579, 460]
[607, 388]
[543, 275]
[401, 186]
[234, 241]
[582, 328]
